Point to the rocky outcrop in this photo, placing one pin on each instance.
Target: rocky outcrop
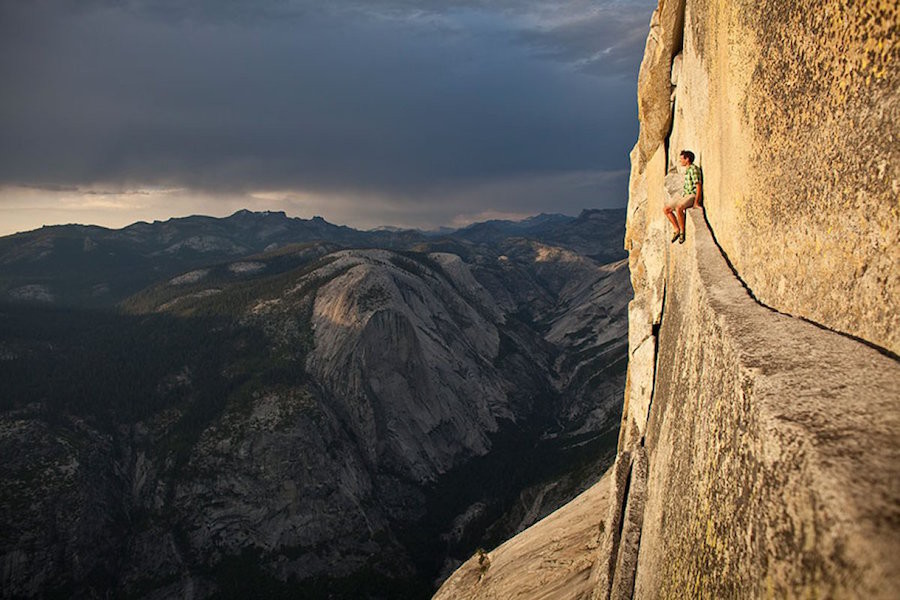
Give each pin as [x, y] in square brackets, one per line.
[551, 560]
[411, 357]
[758, 454]
[305, 420]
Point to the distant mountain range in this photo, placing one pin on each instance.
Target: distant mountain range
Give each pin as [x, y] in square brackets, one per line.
[264, 407]
[83, 265]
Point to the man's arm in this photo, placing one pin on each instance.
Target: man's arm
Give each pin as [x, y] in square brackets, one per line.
[698, 201]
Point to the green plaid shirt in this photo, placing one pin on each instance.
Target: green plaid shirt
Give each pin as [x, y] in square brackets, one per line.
[691, 178]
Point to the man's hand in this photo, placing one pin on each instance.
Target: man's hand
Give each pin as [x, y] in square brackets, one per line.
[699, 197]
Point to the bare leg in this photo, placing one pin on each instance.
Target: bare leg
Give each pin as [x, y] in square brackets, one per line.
[680, 224]
[671, 217]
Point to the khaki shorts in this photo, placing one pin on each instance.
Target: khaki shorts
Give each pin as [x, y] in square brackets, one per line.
[681, 201]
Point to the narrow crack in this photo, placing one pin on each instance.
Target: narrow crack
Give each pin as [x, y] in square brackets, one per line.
[625, 499]
[655, 330]
[881, 350]
[655, 335]
[875, 347]
[617, 546]
[641, 464]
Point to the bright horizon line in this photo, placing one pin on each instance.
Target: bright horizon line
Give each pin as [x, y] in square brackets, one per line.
[28, 207]
[483, 217]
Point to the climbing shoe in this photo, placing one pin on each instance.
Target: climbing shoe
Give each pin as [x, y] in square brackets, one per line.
[681, 238]
[675, 236]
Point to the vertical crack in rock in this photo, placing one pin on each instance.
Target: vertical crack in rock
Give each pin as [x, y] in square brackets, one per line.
[678, 28]
[632, 523]
[884, 351]
[615, 569]
[773, 444]
[602, 573]
[655, 336]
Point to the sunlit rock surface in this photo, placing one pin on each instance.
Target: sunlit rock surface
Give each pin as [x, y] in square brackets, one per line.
[792, 109]
[759, 452]
[773, 445]
[552, 560]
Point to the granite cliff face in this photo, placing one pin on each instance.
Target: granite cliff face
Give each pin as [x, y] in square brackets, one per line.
[311, 420]
[760, 441]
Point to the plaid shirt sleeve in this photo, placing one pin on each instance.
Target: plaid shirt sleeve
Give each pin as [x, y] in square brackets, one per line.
[691, 178]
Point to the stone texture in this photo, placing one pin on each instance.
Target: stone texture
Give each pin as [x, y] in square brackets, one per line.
[654, 78]
[805, 210]
[632, 520]
[604, 567]
[550, 561]
[800, 149]
[774, 449]
[769, 444]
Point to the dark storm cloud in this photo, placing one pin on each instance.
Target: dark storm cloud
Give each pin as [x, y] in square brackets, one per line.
[394, 97]
[607, 42]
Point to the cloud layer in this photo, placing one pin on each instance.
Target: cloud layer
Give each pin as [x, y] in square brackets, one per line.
[421, 108]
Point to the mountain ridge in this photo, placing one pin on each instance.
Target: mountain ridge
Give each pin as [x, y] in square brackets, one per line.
[313, 416]
[81, 265]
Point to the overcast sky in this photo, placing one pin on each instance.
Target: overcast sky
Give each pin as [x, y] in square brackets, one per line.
[366, 112]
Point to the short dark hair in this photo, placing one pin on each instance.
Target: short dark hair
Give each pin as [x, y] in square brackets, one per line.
[688, 155]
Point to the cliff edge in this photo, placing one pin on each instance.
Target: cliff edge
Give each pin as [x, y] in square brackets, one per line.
[759, 454]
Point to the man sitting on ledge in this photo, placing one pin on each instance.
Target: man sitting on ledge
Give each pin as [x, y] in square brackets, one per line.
[691, 195]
